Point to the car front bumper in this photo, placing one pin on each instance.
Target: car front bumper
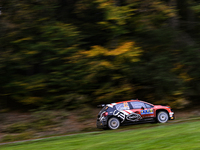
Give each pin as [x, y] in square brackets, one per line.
[171, 116]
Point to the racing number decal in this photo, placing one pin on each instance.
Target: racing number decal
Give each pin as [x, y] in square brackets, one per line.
[126, 104]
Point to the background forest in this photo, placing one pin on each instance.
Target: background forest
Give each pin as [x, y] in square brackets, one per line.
[65, 53]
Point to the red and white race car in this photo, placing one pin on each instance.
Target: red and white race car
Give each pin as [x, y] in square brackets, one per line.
[130, 112]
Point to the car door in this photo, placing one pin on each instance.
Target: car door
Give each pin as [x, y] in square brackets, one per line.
[142, 109]
[148, 111]
[137, 107]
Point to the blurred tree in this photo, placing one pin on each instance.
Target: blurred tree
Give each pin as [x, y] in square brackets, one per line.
[66, 52]
[35, 55]
[108, 77]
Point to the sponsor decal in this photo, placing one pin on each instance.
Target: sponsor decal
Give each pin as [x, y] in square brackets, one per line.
[102, 118]
[127, 112]
[128, 115]
[119, 114]
[146, 112]
[133, 117]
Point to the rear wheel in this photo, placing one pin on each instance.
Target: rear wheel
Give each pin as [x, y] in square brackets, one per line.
[162, 117]
[113, 123]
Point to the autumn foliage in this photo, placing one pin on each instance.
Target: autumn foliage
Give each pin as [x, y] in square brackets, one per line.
[65, 53]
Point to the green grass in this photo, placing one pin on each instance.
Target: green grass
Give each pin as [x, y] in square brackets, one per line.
[182, 136]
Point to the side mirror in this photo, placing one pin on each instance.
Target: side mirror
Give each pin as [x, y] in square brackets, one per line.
[142, 107]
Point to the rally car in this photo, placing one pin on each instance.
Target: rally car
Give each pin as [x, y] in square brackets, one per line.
[130, 112]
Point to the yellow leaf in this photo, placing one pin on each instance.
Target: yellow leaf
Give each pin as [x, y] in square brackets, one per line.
[23, 39]
[122, 49]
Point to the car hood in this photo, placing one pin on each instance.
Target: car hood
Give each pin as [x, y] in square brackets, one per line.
[161, 106]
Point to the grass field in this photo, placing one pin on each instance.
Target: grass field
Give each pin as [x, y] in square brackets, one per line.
[182, 136]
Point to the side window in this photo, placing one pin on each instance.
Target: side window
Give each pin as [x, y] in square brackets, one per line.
[148, 106]
[122, 106]
[137, 105]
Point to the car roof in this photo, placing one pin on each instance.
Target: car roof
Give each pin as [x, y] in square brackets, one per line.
[128, 101]
[131, 101]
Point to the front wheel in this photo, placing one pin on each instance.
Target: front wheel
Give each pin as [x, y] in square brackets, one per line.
[113, 123]
[162, 117]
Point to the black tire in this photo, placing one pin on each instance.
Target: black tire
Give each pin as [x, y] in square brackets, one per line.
[162, 117]
[113, 123]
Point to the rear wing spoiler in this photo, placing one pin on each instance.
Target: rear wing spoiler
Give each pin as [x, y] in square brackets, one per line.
[101, 105]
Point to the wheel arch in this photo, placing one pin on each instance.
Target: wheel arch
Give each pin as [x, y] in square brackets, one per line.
[159, 110]
[111, 116]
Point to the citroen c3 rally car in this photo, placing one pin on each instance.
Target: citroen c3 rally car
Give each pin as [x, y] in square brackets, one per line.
[130, 112]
